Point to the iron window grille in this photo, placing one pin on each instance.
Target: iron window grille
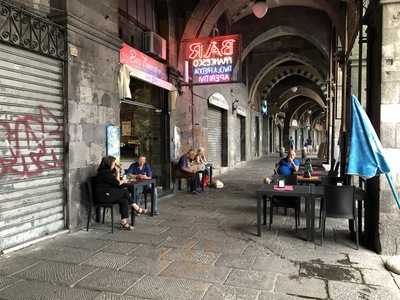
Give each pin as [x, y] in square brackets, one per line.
[21, 28]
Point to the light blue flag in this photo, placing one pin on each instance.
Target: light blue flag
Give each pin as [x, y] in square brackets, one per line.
[366, 157]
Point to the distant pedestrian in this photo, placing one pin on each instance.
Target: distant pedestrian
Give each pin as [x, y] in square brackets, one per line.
[291, 143]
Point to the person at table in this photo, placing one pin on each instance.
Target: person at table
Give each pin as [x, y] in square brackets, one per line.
[108, 189]
[200, 156]
[185, 165]
[288, 165]
[201, 161]
[141, 170]
[291, 143]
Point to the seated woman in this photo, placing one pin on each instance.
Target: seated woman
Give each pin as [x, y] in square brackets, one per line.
[142, 170]
[202, 163]
[108, 189]
[200, 158]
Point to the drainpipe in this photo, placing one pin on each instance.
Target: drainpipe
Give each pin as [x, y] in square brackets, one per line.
[192, 96]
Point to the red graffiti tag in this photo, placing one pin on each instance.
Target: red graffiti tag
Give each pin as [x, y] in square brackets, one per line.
[28, 144]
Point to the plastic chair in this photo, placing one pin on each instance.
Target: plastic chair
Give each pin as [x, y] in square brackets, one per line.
[339, 202]
[92, 203]
[286, 202]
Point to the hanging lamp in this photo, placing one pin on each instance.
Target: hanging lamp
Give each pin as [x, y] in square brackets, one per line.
[260, 8]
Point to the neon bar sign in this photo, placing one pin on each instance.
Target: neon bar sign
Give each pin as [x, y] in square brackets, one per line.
[212, 60]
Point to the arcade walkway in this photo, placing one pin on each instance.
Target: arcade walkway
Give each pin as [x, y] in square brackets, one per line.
[200, 247]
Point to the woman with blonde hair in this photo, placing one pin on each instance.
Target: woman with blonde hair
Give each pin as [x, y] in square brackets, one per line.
[200, 156]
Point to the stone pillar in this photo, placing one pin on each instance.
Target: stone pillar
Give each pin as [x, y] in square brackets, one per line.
[389, 215]
[92, 100]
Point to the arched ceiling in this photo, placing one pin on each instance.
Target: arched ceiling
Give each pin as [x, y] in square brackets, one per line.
[301, 107]
[286, 57]
[207, 13]
[282, 73]
[286, 53]
[218, 7]
[280, 31]
[300, 92]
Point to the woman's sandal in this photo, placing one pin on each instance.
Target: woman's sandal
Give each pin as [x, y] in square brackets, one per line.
[142, 211]
[125, 226]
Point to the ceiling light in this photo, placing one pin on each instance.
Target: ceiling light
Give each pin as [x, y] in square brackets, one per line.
[294, 89]
[259, 9]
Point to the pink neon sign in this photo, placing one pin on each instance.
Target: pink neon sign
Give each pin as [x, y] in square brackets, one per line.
[212, 60]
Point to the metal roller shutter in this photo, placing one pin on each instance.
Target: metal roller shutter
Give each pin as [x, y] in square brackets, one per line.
[31, 146]
[214, 127]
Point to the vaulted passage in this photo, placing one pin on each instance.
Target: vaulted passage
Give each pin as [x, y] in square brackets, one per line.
[216, 113]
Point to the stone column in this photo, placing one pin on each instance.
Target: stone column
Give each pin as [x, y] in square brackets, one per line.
[389, 217]
[91, 88]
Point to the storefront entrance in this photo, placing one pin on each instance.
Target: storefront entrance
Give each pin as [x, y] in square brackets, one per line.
[145, 129]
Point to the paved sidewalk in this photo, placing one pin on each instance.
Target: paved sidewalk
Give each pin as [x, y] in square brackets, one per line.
[200, 247]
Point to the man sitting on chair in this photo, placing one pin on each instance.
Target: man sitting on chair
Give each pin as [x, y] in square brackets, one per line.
[142, 170]
[288, 165]
[185, 165]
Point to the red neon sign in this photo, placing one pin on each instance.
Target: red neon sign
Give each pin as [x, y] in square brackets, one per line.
[212, 60]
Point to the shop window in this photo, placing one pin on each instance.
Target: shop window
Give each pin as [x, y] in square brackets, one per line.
[143, 130]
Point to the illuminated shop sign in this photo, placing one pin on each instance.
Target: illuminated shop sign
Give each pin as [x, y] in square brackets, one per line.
[212, 59]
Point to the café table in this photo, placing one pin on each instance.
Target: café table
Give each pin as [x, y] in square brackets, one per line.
[133, 185]
[270, 190]
[309, 180]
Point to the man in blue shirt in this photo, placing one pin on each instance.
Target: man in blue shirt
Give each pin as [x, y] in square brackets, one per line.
[288, 165]
[143, 171]
[140, 168]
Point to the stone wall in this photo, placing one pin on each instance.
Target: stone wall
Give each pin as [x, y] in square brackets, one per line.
[41, 7]
[182, 118]
[91, 92]
[389, 225]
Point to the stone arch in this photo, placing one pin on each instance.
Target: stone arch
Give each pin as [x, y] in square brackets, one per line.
[280, 31]
[207, 13]
[327, 6]
[285, 97]
[310, 108]
[317, 118]
[273, 64]
[309, 103]
[294, 71]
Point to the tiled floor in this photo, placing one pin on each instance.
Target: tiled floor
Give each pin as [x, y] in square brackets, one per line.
[200, 247]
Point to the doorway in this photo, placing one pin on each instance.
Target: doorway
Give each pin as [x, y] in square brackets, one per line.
[144, 127]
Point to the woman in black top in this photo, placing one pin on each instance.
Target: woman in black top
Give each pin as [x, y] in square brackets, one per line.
[108, 189]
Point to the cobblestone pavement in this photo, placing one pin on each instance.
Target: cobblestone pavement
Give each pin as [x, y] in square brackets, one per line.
[200, 247]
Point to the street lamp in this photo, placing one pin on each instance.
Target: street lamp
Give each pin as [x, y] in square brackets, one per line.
[259, 9]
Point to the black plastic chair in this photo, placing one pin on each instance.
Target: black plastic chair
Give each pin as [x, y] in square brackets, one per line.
[93, 204]
[286, 202]
[339, 202]
[327, 180]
